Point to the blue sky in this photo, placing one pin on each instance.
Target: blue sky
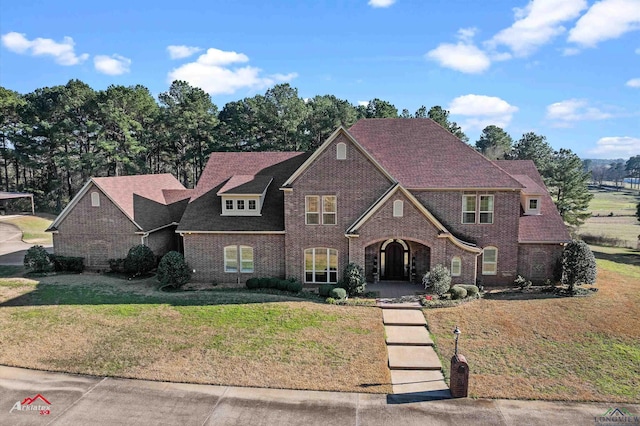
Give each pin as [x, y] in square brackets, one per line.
[566, 69]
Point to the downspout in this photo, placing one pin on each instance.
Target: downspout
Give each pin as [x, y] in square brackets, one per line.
[145, 235]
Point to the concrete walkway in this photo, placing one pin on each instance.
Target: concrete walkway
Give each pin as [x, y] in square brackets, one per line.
[85, 400]
[415, 366]
[12, 248]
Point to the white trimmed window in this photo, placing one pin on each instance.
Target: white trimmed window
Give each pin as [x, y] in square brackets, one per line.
[317, 207]
[240, 204]
[228, 204]
[456, 267]
[490, 261]
[252, 204]
[468, 209]
[341, 151]
[398, 208]
[95, 199]
[321, 265]
[533, 206]
[486, 209]
[243, 254]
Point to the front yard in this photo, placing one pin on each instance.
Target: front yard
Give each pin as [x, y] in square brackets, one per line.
[583, 348]
[100, 325]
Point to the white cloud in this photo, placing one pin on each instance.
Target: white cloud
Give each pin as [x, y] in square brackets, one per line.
[537, 24]
[616, 147]
[464, 56]
[634, 82]
[606, 19]
[480, 111]
[179, 52]
[566, 112]
[212, 72]
[381, 3]
[112, 65]
[63, 53]
[570, 51]
[363, 103]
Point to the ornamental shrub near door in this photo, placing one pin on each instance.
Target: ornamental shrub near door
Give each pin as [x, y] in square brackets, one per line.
[173, 270]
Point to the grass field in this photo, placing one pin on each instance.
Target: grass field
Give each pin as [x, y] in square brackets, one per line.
[583, 348]
[99, 325]
[32, 228]
[623, 225]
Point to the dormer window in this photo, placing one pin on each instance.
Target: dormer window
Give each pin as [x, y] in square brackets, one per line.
[244, 195]
[532, 206]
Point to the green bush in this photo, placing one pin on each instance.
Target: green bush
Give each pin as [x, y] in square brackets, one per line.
[253, 283]
[353, 280]
[330, 300]
[294, 286]
[578, 265]
[140, 260]
[325, 289]
[338, 293]
[116, 265]
[67, 263]
[37, 259]
[522, 282]
[173, 270]
[457, 292]
[438, 279]
[472, 290]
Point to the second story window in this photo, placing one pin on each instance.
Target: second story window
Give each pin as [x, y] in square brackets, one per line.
[320, 210]
[252, 204]
[95, 199]
[469, 209]
[486, 209]
[477, 209]
[240, 204]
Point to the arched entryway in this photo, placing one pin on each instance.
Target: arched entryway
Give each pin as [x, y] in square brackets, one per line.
[394, 260]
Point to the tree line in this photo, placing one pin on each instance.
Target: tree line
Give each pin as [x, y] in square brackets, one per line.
[54, 139]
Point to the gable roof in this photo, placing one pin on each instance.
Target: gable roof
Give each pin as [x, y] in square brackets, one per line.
[547, 227]
[246, 185]
[127, 191]
[204, 211]
[421, 154]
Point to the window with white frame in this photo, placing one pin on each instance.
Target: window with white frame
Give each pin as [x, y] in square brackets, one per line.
[321, 265]
[341, 151]
[240, 204]
[486, 209]
[228, 204]
[238, 257]
[252, 204]
[95, 199]
[533, 206]
[320, 210]
[490, 261]
[245, 206]
[398, 208]
[456, 267]
[469, 209]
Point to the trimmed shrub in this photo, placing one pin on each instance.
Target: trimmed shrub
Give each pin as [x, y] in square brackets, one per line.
[472, 290]
[353, 279]
[457, 292]
[578, 265]
[294, 286]
[37, 259]
[67, 263]
[173, 270]
[253, 283]
[140, 260]
[437, 278]
[325, 289]
[338, 293]
[273, 283]
[116, 265]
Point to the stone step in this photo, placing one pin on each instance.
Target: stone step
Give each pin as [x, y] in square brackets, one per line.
[404, 305]
[413, 358]
[403, 317]
[411, 335]
[414, 381]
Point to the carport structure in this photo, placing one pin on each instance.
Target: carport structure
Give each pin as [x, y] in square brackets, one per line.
[11, 195]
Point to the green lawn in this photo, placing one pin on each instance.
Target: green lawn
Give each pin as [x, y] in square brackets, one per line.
[32, 228]
[581, 348]
[620, 203]
[93, 324]
[622, 226]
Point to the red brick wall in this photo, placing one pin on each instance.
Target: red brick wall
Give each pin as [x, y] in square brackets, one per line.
[356, 182]
[537, 261]
[163, 241]
[503, 233]
[205, 254]
[95, 233]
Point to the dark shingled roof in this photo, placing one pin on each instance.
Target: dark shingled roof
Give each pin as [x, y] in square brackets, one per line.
[205, 208]
[246, 185]
[421, 154]
[546, 227]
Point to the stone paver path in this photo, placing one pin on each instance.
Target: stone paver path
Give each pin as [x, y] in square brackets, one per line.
[415, 366]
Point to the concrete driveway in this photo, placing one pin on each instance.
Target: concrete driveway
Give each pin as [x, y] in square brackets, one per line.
[85, 400]
[12, 248]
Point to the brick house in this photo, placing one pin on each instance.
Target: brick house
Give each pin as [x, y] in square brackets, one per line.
[394, 195]
[109, 215]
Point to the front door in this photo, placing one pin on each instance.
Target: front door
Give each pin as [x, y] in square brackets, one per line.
[394, 262]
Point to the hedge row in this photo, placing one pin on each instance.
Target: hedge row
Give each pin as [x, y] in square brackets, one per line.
[291, 285]
[67, 263]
